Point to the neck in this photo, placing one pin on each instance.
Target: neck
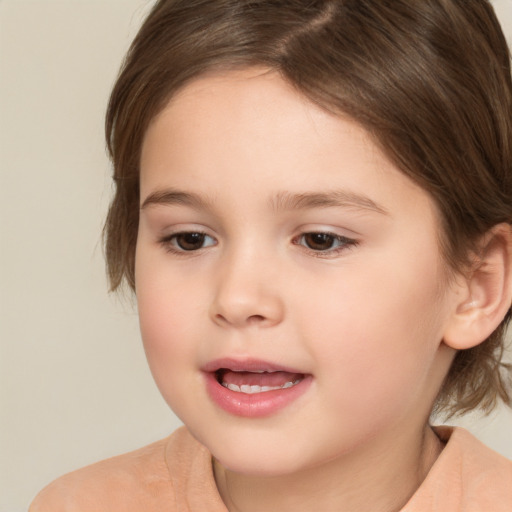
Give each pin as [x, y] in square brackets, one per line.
[382, 476]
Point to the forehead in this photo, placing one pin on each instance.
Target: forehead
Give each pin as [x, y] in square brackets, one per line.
[250, 97]
[252, 130]
[252, 109]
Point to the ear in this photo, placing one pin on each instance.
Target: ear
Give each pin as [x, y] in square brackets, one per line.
[484, 296]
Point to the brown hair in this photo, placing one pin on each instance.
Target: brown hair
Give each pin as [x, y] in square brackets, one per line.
[429, 79]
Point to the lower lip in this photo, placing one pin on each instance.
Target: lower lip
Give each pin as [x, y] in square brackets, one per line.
[254, 405]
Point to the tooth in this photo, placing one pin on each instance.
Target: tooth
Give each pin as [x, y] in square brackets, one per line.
[250, 390]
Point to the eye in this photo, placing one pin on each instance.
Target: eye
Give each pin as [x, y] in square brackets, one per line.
[187, 241]
[324, 242]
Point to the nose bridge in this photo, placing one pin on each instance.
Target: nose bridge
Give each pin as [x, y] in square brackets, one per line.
[246, 292]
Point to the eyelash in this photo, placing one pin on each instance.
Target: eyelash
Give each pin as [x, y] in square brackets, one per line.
[344, 242]
[171, 245]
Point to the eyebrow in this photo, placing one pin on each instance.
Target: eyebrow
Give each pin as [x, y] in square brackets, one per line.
[169, 197]
[333, 198]
[282, 201]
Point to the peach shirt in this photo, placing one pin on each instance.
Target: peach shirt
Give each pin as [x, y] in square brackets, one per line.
[175, 475]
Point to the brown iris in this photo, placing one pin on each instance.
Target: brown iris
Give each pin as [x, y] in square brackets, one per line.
[319, 241]
[190, 241]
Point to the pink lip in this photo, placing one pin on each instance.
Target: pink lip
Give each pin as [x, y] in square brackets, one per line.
[251, 405]
[249, 365]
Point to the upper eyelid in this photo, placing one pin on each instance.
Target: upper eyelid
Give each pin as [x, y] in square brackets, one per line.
[337, 232]
[334, 230]
[182, 228]
[170, 236]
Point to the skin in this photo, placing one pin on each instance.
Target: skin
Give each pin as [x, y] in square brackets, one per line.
[365, 316]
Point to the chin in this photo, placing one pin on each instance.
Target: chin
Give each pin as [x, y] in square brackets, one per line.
[261, 466]
[263, 457]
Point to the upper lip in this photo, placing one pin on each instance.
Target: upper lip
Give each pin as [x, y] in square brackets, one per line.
[247, 365]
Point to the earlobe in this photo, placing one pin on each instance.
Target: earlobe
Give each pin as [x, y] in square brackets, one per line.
[485, 295]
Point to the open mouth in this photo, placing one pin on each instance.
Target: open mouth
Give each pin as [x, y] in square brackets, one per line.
[259, 381]
[253, 388]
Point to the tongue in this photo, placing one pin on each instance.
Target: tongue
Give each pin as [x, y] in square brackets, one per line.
[260, 379]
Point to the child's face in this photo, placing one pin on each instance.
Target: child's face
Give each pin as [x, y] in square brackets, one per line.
[306, 252]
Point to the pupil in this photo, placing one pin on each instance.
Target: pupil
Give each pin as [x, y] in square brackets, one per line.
[190, 241]
[319, 241]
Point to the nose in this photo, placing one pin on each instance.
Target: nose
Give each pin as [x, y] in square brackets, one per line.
[247, 294]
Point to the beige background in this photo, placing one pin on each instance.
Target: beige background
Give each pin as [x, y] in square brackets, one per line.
[74, 384]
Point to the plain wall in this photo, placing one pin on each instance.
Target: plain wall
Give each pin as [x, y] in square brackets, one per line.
[74, 383]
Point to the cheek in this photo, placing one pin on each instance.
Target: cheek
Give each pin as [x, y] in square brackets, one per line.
[377, 339]
[171, 351]
[166, 318]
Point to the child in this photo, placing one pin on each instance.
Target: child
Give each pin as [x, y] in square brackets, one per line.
[313, 206]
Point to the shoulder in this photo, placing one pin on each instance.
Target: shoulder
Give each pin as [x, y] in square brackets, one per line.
[467, 476]
[138, 480]
[486, 475]
[475, 459]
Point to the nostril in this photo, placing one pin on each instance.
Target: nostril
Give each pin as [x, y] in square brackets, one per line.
[221, 319]
[256, 319]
